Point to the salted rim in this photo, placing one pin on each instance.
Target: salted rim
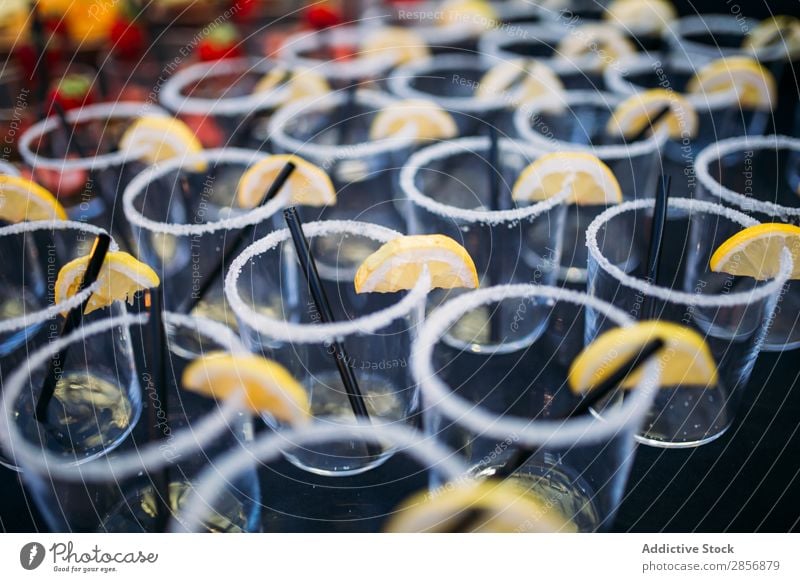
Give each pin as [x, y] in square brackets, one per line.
[493, 44]
[116, 110]
[149, 457]
[715, 151]
[399, 83]
[51, 311]
[715, 23]
[358, 68]
[493, 217]
[531, 433]
[8, 169]
[522, 125]
[306, 333]
[424, 449]
[173, 98]
[771, 287]
[433, 35]
[284, 141]
[156, 171]
[614, 78]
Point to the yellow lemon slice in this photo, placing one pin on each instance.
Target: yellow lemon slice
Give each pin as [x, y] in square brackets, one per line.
[402, 44]
[22, 199]
[300, 83]
[523, 80]
[156, 139]
[308, 185]
[756, 251]
[592, 182]
[776, 31]
[607, 43]
[637, 111]
[267, 385]
[755, 85]
[685, 359]
[398, 264]
[121, 276]
[429, 120]
[641, 15]
[495, 506]
[477, 15]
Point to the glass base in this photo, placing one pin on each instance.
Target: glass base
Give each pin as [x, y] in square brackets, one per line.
[644, 440]
[343, 472]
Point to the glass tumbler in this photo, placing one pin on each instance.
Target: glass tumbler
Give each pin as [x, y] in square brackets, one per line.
[761, 177]
[491, 407]
[731, 313]
[447, 186]
[34, 253]
[277, 317]
[137, 486]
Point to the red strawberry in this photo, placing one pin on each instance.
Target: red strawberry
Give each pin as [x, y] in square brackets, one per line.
[206, 129]
[71, 92]
[244, 10]
[221, 43]
[127, 39]
[321, 16]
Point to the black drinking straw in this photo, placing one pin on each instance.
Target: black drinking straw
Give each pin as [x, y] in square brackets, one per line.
[72, 322]
[471, 518]
[154, 301]
[657, 234]
[232, 248]
[651, 124]
[37, 30]
[320, 298]
[346, 114]
[495, 203]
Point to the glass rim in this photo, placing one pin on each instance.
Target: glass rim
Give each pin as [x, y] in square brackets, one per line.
[358, 68]
[8, 169]
[470, 144]
[108, 111]
[51, 311]
[154, 172]
[564, 432]
[150, 457]
[374, 99]
[721, 148]
[646, 145]
[672, 296]
[310, 333]
[615, 79]
[425, 450]
[399, 83]
[172, 97]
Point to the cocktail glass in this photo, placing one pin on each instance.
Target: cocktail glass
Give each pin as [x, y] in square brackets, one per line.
[34, 253]
[447, 187]
[123, 491]
[759, 176]
[489, 406]
[732, 313]
[358, 504]
[266, 288]
[333, 133]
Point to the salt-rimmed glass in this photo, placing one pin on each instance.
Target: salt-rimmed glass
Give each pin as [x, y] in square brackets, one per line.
[303, 49]
[719, 114]
[759, 176]
[184, 219]
[115, 490]
[34, 253]
[450, 81]
[447, 188]
[8, 169]
[266, 288]
[222, 91]
[579, 125]
[488, 406]
[334, 134]
[99, 128]
[731, 313]
[363, 505]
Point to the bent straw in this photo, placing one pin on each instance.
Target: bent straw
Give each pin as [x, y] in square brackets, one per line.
[657, 235]
[472, 517]
[309, 267]
[232, 249]
[72, 322]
